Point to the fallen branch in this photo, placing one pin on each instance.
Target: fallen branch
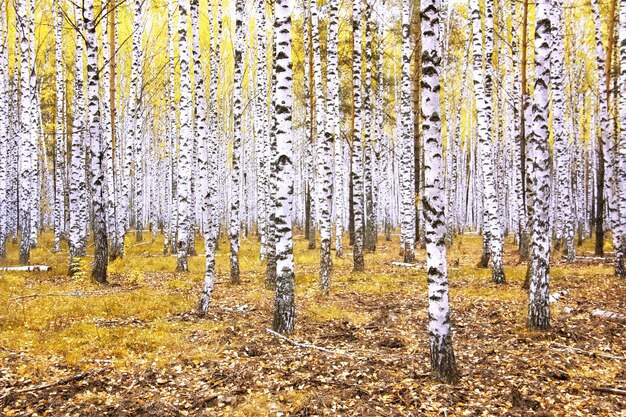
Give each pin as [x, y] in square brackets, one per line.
[609, 315]
[56, 383]
[588, 353]
[306, 345]
[72, 294]
[40, 387]
[26, 268]
[405, 265]
[610, 390]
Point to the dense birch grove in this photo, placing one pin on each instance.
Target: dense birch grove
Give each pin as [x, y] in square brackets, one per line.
[346, 122]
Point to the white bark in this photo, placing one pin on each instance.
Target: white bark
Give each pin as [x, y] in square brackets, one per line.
[262, 127]
[96, 147]
[59, 132]
[357, 142]
[284, 309]
[78, 186]
[483, 88]
[234, 212]
[443, 364]
[561, 142]
[5, 161]
[620, 252]
[27, 150]
[183, 186]
[606, 144]
[408, 144]
[538, 154]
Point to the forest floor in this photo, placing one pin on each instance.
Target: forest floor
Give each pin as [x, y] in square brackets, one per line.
[137, 348]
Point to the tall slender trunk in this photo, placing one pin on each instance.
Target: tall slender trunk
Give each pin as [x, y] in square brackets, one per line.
[369, 138]
[97, 149]
[233, 231]
[357, 143]
[270, 270]
[620, 251]
[262, 125]
[333, 125]
[561, 142]
[442, 360]
[408, 143]
[206, 159]
[538, 306]
[325, 146]
[27, 150]
[604, 193]
[183, 186]
[59, 134]
[284, 308]
[483, 84]
[523, 134]
[78, 187]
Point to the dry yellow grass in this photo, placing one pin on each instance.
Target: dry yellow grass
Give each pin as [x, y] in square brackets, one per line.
[144, 322]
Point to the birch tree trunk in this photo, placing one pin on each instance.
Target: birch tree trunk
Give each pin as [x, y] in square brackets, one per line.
[284, 308]
[332, 124]
[206, 161]
[561, 142]
[262, 125]
[59, 134]
[97, 169]
[538, 307]
[271, 271]
[137, 133]
[170, 218]
[442, 360]
[604, 193]
[483, 86]
[233, 233]
[325, 141]
[78, 186]
[357, 143]
[27, 151]
[183, 186]
[369, 138]
[408, 145]
[5, 160]
[109, 130]
[620, 252]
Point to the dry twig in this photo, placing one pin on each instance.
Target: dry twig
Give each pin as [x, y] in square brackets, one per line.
[588, 353]
[610, 390]
[307, 345]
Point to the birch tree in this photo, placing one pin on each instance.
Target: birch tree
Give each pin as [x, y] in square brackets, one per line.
[109, 36]
[357, 141]
[620, 252]
[183, 185]
[27, 150]
[96, 147]
[59, 134]
[284, 307]
[78, 186]
[561, 142]
[262, 126]
[604, 192]
[233, 233]
[5, 163]
[206, 161]
[408, 144]
[483, 86]
[442, 360]
[538, 153]
[332, 123]
[325, 141]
